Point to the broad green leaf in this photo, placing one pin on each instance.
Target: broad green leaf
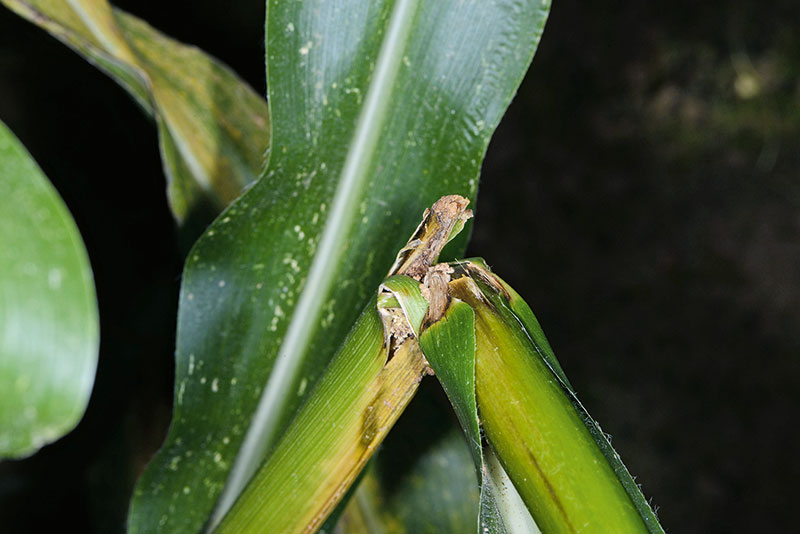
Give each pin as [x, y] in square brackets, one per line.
[213, 129]
[378, 109]
[48, 309]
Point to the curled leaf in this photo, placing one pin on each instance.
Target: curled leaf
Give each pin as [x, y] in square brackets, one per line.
[213, 128]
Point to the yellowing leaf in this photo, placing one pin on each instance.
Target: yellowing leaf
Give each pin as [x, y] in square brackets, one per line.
[213, 128]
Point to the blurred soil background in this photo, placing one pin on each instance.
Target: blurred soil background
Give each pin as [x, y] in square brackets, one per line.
[642, 193]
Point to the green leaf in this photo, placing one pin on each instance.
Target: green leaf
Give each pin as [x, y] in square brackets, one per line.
[523, 313]
[555, 453]
[436, 492]
[213, 129]
[378, 109]
[335, 433]
[406, 291]
[48, 309]
[512, 305]
[449, 346]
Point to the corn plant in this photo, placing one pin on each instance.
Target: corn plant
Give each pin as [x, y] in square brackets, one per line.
[296, 352]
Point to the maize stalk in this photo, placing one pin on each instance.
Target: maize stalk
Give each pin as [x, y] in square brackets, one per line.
[557, 457]
[534, 442]
[360, 396]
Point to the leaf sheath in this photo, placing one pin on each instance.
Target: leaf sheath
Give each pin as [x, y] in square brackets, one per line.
[346, 417]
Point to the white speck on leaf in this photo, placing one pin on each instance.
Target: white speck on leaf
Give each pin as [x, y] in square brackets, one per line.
[54, 278]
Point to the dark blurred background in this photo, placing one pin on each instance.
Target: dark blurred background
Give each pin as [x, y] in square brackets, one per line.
[642, 194]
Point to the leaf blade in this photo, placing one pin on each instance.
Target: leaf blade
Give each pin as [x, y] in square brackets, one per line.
[243, 278]
[213, 129]
[450, 344]
[48, 309]
[349, 191]
[566, 470]
[337, 430]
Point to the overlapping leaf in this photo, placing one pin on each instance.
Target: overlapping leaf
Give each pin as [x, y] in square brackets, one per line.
[430, 491]
[449, 346]
[48, 310]
[493, 360]
[517, 311]
[213, 129]
[378, 109]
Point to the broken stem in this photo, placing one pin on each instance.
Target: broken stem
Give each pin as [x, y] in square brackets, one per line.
[362, 393]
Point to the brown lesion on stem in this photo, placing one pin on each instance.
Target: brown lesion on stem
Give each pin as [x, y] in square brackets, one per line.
[430, 237]
[396, 329]
[417, 260]
[463, 280]
[380, 406]
[435, 290]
